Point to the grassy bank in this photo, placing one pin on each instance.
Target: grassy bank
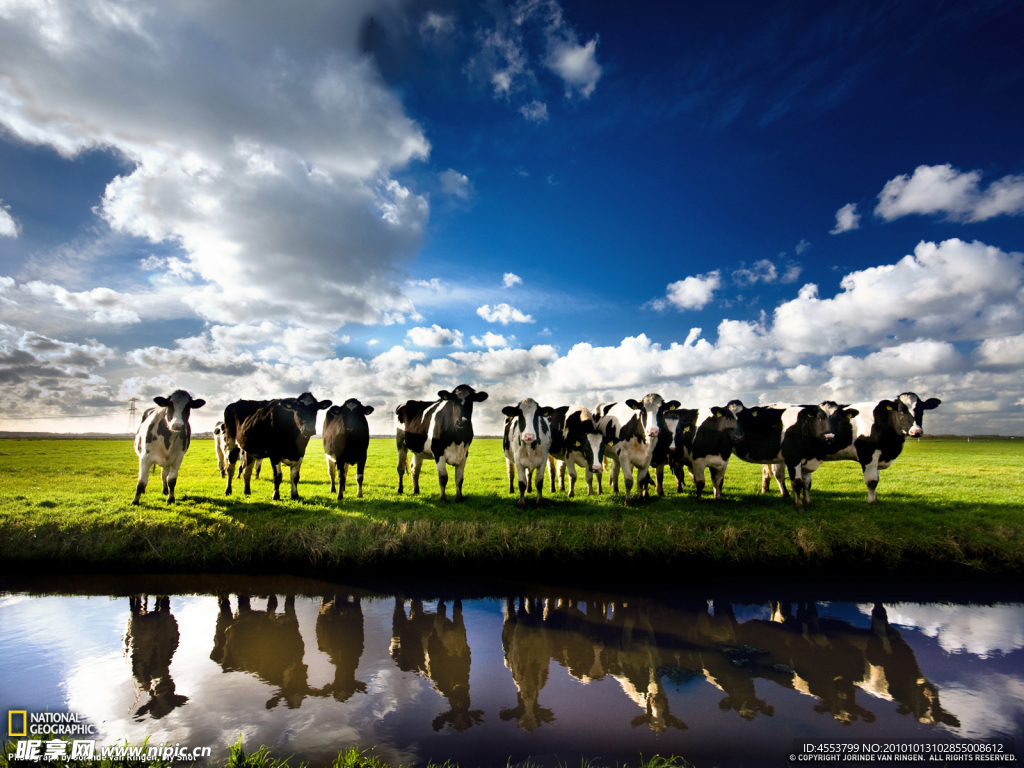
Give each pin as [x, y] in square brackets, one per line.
[947, 507]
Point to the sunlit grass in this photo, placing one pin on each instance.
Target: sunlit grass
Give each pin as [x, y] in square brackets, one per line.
[945, 504]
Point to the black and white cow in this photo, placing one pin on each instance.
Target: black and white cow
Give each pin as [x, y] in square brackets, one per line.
[527, 442]
[879, 432]
[575, 442]
[702, 440]
[797, 436]
[632, 429]
[162, 438]
[278, 430]
[441, 430]
[346, 440]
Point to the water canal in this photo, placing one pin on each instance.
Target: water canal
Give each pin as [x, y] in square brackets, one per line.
[502, 674]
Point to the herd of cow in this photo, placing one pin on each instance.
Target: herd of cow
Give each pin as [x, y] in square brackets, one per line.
[641, 434]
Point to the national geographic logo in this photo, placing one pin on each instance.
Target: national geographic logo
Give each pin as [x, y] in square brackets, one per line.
[17, 722]
[21, 723]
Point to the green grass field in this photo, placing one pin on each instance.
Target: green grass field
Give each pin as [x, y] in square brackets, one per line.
[947, 507]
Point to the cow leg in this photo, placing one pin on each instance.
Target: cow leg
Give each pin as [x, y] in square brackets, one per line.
[342, 480]
[332, 466]
[295, 479]
[510, 471]
[797, 481]
[717, 479]
[697, 475]
[659, 474]
[402, 458]
[170, 478]
[247, 463]
[569, 467]
[778, 471]
[145, 464]
[613, 474]
[871, 477]
[460, 472]
[552, 471]
[522, 475]
[417, 465]
[627, 480]
[540, 481]
[442, 478]
[360, 466]
[232, 461]
[275, 464]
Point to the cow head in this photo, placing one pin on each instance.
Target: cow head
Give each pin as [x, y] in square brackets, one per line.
[304, 409]
[352, 413]
[827, 422]
[462, 398]
[835, 419]
[912, 408]
[532, 419]
[177, 407]
[651, 409]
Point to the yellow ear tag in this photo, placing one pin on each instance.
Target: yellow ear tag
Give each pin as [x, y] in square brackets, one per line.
[754, 414]
[686, 430]
[888, 407]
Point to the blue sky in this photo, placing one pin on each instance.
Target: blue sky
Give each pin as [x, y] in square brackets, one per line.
[571, 201]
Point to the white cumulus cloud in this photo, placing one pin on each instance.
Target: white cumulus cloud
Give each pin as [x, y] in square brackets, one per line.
[434, 336]
[693, 292]
[503, 313]
[943, 189]
[847, 219]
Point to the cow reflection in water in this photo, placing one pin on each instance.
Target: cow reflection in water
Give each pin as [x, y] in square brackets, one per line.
[830, 659]
[642, 644]
[339, 634]
[590, 645]
[150, 641]
[266, 644]
[435, 646]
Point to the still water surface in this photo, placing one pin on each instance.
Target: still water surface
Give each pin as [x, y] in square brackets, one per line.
[310, 668]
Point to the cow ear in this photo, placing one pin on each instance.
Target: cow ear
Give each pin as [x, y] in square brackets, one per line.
[931, 403]
[511, 410]
[479, 396]
[444, 394]
[561, 410]
[634, 404]
[400, 412]
[672, 404]
[851, 413]
[367, 410]
[197, 403]
[163, 402]
[546, 411]
[323, 405]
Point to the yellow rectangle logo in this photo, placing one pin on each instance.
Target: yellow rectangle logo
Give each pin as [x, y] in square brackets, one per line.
[12, 714]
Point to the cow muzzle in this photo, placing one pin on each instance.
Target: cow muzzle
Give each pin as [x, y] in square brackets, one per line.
[529, 437]
[915, 431]
[652, 432]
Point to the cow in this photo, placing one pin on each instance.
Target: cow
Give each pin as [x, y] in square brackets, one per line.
[278, 430]
[220, 447]
[575, 442]
[699, 439]
[163, 438]
[798, 436]
[346, 439]
[632, 429]
[441, 430]
[527, 442]
[879, 433]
